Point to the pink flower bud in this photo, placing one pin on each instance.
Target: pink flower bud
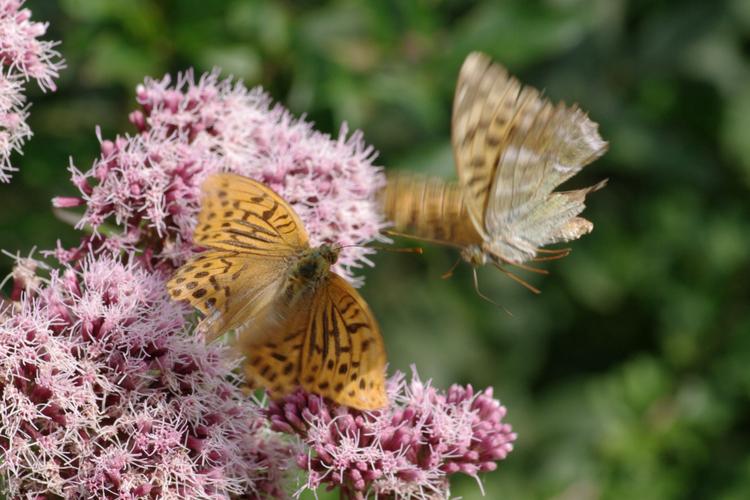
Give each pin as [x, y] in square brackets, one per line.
[138, 119]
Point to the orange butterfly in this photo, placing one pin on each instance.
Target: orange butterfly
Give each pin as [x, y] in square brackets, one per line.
[297, 322]
[512, 148]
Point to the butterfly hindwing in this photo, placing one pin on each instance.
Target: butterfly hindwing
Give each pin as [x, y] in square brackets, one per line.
[556, 220]
[275, 362]
[343, 356]
[550, 145]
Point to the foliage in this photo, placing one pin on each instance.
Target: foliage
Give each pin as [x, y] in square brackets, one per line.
[627, 377]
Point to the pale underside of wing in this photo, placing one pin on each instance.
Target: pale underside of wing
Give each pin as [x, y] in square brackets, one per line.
[428, 208]
[332, 347]
[556, 219]
[241, 215]
[523, 213]
[513, 148]
[234, 291]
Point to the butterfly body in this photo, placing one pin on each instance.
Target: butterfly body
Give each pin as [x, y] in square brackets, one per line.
[296, 322]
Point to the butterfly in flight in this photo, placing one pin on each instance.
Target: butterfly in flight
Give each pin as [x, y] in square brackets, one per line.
[297, 323]
[512, 147]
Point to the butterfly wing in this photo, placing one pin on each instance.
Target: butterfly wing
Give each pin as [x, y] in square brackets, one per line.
[239, 214]
[234, 291]
[343, 356]
[484, 106]
[556, 219]
[549, 145]
[331, 347]
[428, 208]
[274, 362]
[250, 232]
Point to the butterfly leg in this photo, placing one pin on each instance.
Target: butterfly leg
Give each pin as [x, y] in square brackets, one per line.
[476, 288]
[553, 254]
[449, 272]
[530, 268]
[517, 279]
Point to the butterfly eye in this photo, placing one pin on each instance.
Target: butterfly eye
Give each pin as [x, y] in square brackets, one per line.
[330, 254]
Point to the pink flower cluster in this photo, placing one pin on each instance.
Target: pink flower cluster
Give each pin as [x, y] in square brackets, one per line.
[405, 451]
[103, 394]
[148, 184]
[22, 57]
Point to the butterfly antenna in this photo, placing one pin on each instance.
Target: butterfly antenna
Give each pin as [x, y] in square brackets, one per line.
[447, 274]
[417, 250]
[479, 292]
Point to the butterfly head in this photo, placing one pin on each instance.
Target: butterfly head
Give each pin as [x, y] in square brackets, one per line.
[329, 253]
[315, 263]
[474, 255]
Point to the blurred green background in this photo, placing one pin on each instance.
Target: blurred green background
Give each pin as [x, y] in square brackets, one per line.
[629, 376]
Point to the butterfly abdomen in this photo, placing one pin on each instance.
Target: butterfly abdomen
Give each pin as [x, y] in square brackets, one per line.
[428, 208]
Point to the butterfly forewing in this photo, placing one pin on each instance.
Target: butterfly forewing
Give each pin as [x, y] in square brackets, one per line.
[483, 109]
[234, 291]
[249, 231]
[576, 143]
[343, 356]
[241, 215]
[519, 169]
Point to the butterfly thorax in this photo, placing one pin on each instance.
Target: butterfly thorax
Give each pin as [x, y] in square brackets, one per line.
[311, 267]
